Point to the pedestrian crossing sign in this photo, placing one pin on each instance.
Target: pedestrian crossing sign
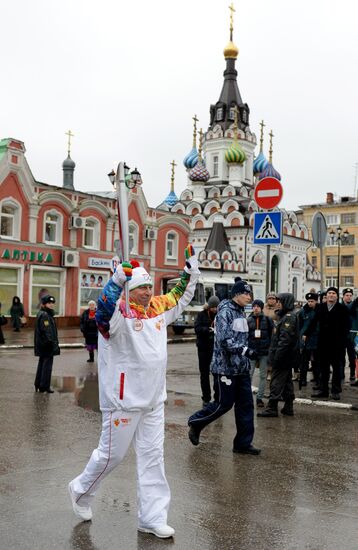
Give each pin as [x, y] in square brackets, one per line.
[267, 227]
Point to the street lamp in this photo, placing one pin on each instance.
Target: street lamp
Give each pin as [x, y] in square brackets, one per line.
[337, 236]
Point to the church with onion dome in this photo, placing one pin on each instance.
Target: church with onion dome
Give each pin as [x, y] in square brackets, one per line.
[223, 167]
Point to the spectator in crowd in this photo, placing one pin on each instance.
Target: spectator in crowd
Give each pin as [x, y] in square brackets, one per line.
[204, 329]
[283, 356]
[89, 329]
[323, 297]
[3, 321]
[16, 312]
[260, 332]
[332, 319]
[347, 300]
[271, 307]
[46, 343]
[309, 344]
[231, 369]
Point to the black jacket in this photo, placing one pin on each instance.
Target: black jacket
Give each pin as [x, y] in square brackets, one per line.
[265, 325]
[333, 327]
[46, 339]
[204, 336]
[284, 351]
[89, 328]
[305, 316]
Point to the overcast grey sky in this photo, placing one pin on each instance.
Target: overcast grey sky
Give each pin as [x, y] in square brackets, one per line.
[127, 76]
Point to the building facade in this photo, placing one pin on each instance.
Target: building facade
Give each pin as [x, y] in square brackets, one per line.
[340, 255]
[61, 241]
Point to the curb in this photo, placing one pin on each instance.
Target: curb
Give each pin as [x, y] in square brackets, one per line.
[307, 401]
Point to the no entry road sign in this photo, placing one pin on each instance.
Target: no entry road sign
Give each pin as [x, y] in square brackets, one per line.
[268, 193]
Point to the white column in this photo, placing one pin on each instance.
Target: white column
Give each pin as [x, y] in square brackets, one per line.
[33, 217]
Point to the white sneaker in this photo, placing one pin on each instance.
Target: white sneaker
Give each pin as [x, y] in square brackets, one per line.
[83, 512]
[162, 532]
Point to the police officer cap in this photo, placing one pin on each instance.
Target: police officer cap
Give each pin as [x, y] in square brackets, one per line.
[345, 290]
[311, 296]
[48, 299]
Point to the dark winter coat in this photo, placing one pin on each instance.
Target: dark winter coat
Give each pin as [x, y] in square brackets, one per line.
[265, 325]
[305, 316]
[89, 328]
[231, 336]
[204, 324]
[46, 339]
[16, 312]
[284, 350]
[333, 327]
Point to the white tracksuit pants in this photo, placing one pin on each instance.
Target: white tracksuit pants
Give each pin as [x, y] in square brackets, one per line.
[119, 429]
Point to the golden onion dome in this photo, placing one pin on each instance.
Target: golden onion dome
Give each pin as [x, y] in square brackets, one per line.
[231, 51]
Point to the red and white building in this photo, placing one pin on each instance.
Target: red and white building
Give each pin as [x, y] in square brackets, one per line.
[61, 241]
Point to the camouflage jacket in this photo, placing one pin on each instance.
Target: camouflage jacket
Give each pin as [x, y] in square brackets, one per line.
[231, 335]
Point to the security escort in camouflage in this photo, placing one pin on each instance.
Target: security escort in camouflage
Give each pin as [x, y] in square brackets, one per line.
[283, 356]
[231, 369]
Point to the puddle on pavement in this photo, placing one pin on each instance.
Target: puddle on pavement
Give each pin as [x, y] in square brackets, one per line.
[84, 388]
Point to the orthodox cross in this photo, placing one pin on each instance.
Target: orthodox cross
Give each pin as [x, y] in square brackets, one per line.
[270, 152]
[232, 10]
[69, 134]
[173, 165]
[195, 119]
[262, 124]
[200, 144]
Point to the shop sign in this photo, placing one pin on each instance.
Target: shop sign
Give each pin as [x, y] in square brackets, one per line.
[99, 262]
[27, 255]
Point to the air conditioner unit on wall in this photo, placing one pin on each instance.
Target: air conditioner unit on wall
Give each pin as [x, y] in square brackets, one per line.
[77, 222]
[70, 258]
[150, 233]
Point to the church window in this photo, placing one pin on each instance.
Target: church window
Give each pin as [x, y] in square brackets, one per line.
[219, 113]
[244, 116]
[232, 113]
[215, 166]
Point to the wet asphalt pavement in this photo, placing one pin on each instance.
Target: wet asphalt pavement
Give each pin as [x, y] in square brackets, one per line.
[301, 493]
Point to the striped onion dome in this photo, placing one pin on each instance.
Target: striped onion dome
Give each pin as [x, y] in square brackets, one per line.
[260, 163]
[235, 154]
[191, 159]
[171, 199]
[269, 172]
[199, 172]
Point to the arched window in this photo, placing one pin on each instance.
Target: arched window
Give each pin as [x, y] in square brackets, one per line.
[171, 246]
[274, 274]
[10, 219]
[52, 227]
[91, 234]
[133, 238]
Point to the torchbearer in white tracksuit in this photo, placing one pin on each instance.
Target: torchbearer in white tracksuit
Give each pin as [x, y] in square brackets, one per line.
[132, 360]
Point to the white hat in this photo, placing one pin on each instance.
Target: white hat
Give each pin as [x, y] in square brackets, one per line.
[140, 277]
